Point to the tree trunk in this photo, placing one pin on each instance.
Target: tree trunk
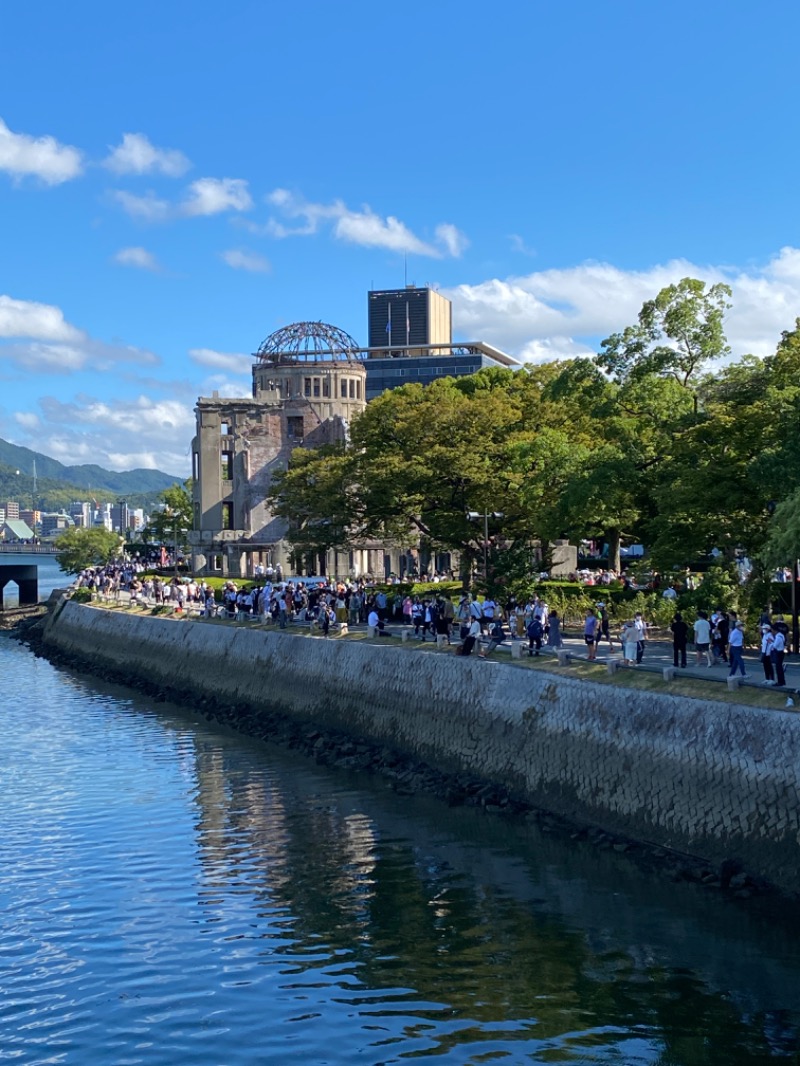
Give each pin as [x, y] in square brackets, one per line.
[466, 565]
[612, 540]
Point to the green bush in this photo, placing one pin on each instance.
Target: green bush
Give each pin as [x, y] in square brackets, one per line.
[82, 595]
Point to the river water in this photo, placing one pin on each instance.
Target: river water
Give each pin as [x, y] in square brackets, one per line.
[172, 893]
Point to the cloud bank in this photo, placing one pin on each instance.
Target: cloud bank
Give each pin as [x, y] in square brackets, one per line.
[552, 314]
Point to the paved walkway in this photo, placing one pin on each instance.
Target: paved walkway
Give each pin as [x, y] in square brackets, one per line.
[658, 654]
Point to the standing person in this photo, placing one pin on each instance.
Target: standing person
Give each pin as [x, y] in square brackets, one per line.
[767, 641]
[518, 624]
[641, 636]
[605, 631]
[629, 642]
[591, 629]
[680, 633]
[736, 649]
[702, 638]
[489, 608]
[554, 639]
[778, 653]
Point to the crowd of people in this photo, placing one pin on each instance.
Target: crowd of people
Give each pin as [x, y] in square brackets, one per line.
[718, 638]
[481, 625]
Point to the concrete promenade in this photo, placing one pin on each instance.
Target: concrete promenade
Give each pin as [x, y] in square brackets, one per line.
[658, 653]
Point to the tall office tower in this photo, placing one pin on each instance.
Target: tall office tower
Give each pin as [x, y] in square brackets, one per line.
[12, 510]
[409, 318]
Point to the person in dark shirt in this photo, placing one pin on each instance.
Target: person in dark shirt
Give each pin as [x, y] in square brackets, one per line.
[680, 632]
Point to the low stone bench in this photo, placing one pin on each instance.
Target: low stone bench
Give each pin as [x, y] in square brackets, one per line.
[564, 657]
[406, 635]
[516, 649]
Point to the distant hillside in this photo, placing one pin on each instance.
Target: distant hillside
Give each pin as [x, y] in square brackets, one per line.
[86, 478]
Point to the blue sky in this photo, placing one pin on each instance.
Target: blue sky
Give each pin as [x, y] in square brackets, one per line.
[177, 180]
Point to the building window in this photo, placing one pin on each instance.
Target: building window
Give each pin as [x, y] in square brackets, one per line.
[195, 466]
[344, 388]
[352, 388]
[358, 390]
[326, 386]
[294, 427]
[226, 465]
[316, 386]
[227, 516]
[216, 562]
[306, 386]
[224, 429]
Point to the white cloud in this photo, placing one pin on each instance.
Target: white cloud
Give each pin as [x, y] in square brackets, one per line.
[206, 196]
[137, 257]
[119, 434]
[42, 157]
[555, 313]
[233, 362]
[363, 227]
[452, 239]
[24, 318]
[240, 259]
[28, 419]
[136, 155]
[210, 196]
[42, 340]
[147, 208]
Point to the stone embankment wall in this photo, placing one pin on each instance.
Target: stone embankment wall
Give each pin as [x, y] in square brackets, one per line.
[714, 779]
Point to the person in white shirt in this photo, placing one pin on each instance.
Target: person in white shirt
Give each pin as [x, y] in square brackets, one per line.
[702, 638]
[767, 640]
[778, 652]
[471, 638]
[736, 649]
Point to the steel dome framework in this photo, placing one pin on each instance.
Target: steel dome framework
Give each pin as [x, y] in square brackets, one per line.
[309, 342]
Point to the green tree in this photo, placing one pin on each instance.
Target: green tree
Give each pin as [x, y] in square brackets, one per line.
[317, 497]
[782, 543]
[172, 518]
[678, 334]
[78, 549]
[426, 457]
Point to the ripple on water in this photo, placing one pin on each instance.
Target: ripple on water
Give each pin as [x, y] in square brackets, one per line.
[170, 894]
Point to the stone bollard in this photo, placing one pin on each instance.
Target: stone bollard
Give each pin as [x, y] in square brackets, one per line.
[441, 640]
[372, 631]
[564, 657]
[406, 635]
[734, 682]
[343, 630]
[668, 673]
[611, 666]
[516, 649]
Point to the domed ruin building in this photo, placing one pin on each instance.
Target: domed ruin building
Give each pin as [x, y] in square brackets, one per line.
[309, 381]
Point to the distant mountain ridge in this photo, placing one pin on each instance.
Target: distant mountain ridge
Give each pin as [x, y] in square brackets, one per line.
[89, 477]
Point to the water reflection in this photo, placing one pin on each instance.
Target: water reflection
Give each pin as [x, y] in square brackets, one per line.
[456, 931]
[175, 894]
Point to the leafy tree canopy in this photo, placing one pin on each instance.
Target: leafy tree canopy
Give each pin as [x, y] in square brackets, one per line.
[78, 549]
